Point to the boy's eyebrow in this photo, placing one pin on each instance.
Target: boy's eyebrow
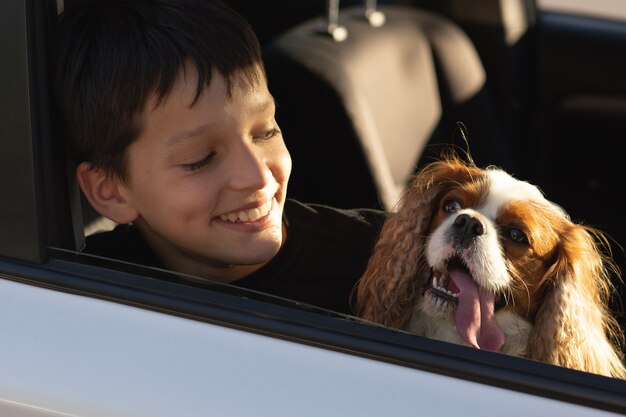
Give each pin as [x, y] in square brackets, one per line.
[185, 134]
[198, 131]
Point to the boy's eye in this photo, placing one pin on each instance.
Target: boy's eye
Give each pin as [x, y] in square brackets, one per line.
[195, 166]
[270, 134]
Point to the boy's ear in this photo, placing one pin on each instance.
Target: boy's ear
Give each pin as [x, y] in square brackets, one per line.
[105, 194]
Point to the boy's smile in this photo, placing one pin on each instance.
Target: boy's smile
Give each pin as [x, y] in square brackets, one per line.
[256, 216]
[208, 179]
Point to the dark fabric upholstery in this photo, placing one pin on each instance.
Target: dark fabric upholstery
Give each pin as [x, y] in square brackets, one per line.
[359, 116]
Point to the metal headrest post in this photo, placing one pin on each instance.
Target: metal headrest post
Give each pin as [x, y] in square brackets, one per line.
[339, 33]
[374, 16]
[332, 26]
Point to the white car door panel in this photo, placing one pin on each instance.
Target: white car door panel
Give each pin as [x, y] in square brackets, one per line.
[68, 355]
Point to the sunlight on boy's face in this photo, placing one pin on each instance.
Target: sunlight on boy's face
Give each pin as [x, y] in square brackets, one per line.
[209, 180]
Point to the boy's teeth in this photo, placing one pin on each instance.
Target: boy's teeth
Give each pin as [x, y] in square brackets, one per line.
[251, 215]
[254, 215]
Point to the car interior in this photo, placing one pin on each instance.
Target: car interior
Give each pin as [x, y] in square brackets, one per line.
[550, 109]
[391, 92]
[540, 94]
[536, 91]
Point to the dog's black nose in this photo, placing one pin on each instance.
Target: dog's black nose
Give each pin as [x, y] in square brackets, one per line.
[466, 228]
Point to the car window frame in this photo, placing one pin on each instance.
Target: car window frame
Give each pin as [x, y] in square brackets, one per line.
[20, 221]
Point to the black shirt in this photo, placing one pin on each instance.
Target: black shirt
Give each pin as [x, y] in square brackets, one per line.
[324, 255]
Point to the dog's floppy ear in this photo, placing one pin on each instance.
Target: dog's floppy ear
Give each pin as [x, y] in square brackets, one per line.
[387, 290]
[574, 327]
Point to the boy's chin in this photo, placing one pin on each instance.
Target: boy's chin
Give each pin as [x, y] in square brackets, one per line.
[259, 251]
[261, 254]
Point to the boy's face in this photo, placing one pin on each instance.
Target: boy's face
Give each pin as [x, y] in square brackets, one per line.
[208, 181]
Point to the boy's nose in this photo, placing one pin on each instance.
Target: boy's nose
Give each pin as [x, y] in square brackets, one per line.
[250, 170]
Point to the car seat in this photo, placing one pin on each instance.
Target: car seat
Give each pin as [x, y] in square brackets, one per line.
[359, 115]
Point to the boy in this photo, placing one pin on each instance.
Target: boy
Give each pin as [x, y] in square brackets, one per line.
[171, 124]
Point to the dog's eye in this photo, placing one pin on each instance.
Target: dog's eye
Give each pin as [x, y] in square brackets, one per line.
[451, 206]
[516, 235]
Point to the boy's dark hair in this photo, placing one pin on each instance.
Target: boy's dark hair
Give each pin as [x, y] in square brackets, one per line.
[112, 55]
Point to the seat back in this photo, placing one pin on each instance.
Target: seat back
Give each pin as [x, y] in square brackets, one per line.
[359, 115]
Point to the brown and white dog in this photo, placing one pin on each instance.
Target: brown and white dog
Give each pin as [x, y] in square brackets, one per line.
[477, 257]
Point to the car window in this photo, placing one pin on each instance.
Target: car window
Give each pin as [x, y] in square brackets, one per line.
[608, 9]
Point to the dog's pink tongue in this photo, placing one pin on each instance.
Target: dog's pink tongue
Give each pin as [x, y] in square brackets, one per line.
[475, 316]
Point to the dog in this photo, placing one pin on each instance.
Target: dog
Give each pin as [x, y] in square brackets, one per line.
[474, 256]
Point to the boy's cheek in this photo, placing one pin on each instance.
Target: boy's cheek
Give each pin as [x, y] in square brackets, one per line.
[286, 162]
